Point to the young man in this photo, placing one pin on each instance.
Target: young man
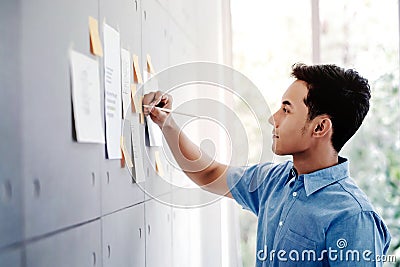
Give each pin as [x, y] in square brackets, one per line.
[310, 212]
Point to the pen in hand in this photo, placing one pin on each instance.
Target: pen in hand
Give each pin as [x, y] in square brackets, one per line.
[172, 111]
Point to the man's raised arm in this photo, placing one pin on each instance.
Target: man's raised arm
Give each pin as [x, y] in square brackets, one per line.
[198, 166]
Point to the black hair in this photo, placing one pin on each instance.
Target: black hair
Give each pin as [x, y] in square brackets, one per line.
[341, 94]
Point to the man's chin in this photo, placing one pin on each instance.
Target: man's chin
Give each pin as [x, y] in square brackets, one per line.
[278, 152]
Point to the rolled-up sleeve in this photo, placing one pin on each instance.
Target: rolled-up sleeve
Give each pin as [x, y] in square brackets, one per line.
[247, 184]
[360, 240]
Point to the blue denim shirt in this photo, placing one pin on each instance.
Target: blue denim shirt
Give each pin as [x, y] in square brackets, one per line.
[317, 219]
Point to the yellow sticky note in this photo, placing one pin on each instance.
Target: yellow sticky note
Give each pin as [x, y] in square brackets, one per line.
[136, 70]
[150, 68]
[125, 154]
[133, 97]
[95, 43]
[159, 167]
[140, 104]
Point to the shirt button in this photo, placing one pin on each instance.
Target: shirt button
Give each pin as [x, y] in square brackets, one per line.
[294, 194]
[280, 223]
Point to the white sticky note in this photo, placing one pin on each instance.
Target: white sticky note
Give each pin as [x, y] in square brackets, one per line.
[155, 133]
[137, 145]
[112, 98]
[125, 80]
[86, 98]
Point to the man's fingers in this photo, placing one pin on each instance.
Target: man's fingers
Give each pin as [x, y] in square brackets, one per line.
[165, 102]
[151, 99]
[148, 100]
[156, 99]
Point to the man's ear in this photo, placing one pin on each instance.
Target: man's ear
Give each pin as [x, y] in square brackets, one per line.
[322, 126]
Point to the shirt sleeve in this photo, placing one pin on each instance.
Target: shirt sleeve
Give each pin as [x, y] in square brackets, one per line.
[247, 184]
[360, 240]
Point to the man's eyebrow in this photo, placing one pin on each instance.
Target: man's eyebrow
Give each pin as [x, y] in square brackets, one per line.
[286, 102]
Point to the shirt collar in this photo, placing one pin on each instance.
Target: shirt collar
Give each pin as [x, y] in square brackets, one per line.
[292, 174]
[319, 179]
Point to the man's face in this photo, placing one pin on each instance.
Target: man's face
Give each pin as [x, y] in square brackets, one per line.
[291, 133]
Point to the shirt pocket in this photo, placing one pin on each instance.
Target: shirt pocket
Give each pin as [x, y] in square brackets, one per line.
[293, 240]
[299, 251]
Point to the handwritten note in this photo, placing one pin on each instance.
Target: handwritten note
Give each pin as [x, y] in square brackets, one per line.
[126, 80]
[86, 98]
[112, 83]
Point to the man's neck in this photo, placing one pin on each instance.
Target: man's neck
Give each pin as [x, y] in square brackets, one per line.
[307, 162]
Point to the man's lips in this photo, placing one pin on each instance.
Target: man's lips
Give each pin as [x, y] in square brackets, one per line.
[274, 135]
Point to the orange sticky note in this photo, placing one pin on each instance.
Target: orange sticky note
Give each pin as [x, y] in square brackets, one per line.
[95, 43]
[125, 154]
[140, 104]
[159, 167]
[133, 97]
[136, 70]
[122, 153]
[122, 159]
[150, 68]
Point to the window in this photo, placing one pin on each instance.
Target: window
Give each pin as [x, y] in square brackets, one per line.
[268, 37]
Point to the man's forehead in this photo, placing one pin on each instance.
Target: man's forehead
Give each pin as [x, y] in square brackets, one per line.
[295, 93]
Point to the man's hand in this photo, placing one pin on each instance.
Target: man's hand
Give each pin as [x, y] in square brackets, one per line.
[157, 99]
[197, 165]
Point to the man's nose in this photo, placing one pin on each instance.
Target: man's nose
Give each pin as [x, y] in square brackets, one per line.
[271, 120]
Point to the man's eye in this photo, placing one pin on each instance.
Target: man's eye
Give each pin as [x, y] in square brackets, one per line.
[284, 110]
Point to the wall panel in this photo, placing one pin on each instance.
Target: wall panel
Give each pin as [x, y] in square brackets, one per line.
[11, 213]
[61, 177]
[155, 33]
[62, 203]
[124, 16]
[158, 234]
[11, 257]
[124, 237]
[78, 247]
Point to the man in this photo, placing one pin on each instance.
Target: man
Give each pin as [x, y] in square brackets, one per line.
[310, 212]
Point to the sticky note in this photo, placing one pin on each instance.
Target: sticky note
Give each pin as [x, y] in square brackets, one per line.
[125, 154]
[159, 167]
[95, 43]
[141, 110]
[133, 99]
[155, 133]
[150, 68]
[136, 69]
[122, 159]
